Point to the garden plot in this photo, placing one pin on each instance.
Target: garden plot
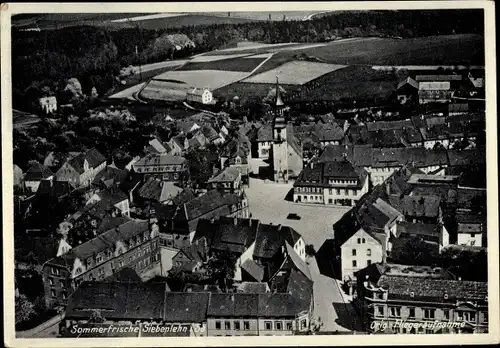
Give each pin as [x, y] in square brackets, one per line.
[295, 73]
[164, 90]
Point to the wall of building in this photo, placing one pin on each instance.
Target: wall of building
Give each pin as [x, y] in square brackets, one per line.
[380, 174]
[247, 255]
[57, 286]
[264, 148]
[470, 239]
[295, 163]
[367, 249]
[247, 327]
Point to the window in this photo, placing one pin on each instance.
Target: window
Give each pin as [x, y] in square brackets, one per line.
[368, 252]
[359, 240]
[354, 263]
[303, 324]
[395, 311]
[363, 240]
[368, 262]
[98, 258]
[53, 270]
[278, 325]
[227, 325]
[120, 264]
[330, 191]
[411, 312]
[353, 252]
[446, 313]
[379, 295]
[217, 325]
[51, 281]
[53, 293]
[246, 325]
[237, 325]
[289, 326]
[380, 310]
[268, 325]
[338, 191]
[466, 316]
[346, 191]
[145, 238]
[354, 192]
[429, 313]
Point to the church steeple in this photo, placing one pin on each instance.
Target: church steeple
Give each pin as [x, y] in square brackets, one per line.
[279, 118]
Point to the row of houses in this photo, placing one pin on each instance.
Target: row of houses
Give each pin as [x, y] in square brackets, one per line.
[342, 173]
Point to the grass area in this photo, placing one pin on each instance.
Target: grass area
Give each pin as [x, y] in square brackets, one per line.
[235, 64]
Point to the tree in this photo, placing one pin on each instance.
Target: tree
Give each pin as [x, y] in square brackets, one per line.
[199, 168]
[310, 251]
[221, 268]
[24, 309]
[96, 317]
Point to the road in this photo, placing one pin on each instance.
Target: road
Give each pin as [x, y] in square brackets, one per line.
[266, 201]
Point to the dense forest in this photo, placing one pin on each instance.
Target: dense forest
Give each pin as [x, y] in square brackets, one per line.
[43, 61]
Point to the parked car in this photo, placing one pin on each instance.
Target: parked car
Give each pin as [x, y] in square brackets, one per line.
[293, 216]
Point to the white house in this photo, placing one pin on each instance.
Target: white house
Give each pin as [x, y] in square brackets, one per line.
[203, 96]
[48, 104]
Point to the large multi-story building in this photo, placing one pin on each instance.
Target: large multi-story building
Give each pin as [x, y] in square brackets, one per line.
[396, 298]
[338, 182]
[164, 166]
[133, 244]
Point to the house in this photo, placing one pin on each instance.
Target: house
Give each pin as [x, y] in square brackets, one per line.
[418, 208]
[236, 153]
[336, 182]
[361, 236]
[253, 288]
[407, 90]
[35, 174]
[157, 146]
[264, 141]
[48, 104]
[155, 190]
[436, 88]
[467, 228]
[477, 78]
[112, 197]
[329, 134]
[202, 96]
[178, 223]
[80, 170]
[228, 180]
[211, 135]
[191, 258]
[110, 177]
[133, 244]
[390, 297]
[163, 166]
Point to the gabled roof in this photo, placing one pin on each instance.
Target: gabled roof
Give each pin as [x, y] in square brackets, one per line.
[253, 287]
[159, 146]
[233, 235]
[159, 159]
[253, 269]
[300, 264]
[110, 174]
[37, 172]
[112, 196]
[233, 305]
[409, 81]
[417, 206]
[265, 133]
[229, 174]
[53, 189]
[186, 307]
[94, 157]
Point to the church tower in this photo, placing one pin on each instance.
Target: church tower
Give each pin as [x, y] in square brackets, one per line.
[280, 145]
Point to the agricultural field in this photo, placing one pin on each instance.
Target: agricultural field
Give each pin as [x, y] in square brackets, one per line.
[432, 50]
[204, 58]
[164, 90]
[244, 64]
[352, 82]
[294, 73]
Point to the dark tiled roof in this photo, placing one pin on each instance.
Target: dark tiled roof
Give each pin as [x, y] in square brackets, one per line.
[410, 228]
[265, 133]
[299, 264]
[151, 189]
[233, 305]
[159, 159]
[117, 176]
[124, 275]
[434, 288]
[417, 206]
[37, 172]
[112, 196]
[229, 174]
[253, 269]
[208, 202]
[253, 287]
[329, 132]
[300, 287]
[233, 234]
[53, 189]
[268, 241]
[466, 157]
[321, 173]
[186, 307]
[280, 305]
[118, 300]
[184, 196]
[94, 157]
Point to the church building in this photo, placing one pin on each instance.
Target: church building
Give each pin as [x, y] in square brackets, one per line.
[286, 148]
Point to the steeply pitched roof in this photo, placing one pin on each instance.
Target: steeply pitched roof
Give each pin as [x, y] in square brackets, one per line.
[321, 174]
[410, 228]
[253, 269]
[203, 204]
[94, 157]
[53, 189]
[233, 234]
[37, 172]
[186, 307]
[233, 305]
[253, 287]
[417, 206]
[110, 175]
[159, 160]
[300, 264]
[265, 133]
[229, 174]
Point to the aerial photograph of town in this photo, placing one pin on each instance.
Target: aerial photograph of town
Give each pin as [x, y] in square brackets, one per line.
[249, 173]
